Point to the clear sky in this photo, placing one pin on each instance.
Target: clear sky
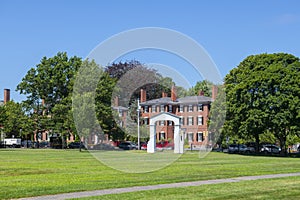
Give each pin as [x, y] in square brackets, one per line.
[229, 30]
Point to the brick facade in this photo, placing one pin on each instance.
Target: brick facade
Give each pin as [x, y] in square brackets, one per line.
[193, 111]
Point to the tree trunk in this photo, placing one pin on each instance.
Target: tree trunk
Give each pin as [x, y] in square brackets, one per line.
[282, 141]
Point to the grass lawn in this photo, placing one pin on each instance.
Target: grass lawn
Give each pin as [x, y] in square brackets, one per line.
[32, 172]
[283, 188]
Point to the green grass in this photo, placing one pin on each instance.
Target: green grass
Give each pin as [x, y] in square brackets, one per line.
[283, 188]
[35, 172]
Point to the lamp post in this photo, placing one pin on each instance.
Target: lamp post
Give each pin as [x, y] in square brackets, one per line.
[138, 122]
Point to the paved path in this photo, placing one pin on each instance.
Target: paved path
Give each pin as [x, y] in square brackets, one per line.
[155, 187]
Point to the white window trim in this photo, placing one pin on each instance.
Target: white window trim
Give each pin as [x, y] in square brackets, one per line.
[190, 106]
[181, 108]
[162, 106]
[190, 117]
[201, 137]
[200, 116]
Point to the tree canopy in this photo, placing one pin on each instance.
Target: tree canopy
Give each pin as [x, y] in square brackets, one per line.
[263, 94]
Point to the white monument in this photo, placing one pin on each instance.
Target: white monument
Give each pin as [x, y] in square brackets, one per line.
[178, 136]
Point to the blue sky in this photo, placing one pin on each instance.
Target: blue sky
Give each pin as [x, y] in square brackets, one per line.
[228, 30]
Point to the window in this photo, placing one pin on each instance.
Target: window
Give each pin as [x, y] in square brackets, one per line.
[162, 123]
[200, 120]
[145, 109]
[170, 108]
[153, 108]
[190, 108]
[190, 121]
[200, 107]
[211, 136]
[181, 120]
[120, 113]
[162, 136]
[200, 137]
[181, 108]
[190, 137]
[146, 121]
[170, 123]
[162, 108]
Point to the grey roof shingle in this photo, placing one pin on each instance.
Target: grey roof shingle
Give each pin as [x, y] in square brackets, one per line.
[179, 101]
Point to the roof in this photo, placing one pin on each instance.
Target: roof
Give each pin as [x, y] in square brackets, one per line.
[121, 108]
[180, 101]
[164, 113]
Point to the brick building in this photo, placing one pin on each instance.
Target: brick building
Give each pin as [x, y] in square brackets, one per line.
[192, 110]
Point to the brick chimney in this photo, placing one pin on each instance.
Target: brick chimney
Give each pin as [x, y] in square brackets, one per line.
[201, 93]
[6, 95]
[214, 92]
[173, 93]
[143, 95]
[164, 94]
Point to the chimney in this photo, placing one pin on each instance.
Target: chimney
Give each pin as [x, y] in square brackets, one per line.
[164, 94]
[6, 95]
[173, 93]
[201, 93]
[214, 92]
[143, 95]
[116, 101]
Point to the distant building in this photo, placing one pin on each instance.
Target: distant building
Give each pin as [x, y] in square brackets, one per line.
[192, 110]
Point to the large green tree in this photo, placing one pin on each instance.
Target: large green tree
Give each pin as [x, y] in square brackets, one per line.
[15, 121]
[48, 88]
[262, 94]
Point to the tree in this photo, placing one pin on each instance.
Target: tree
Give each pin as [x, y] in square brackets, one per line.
[84, 99]
[262, 94]
[201, 86]
[48, 87]
[103, 103]
[15, 121]
[132, 76]
[217, 116]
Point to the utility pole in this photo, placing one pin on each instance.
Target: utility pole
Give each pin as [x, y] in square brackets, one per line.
[138, 122]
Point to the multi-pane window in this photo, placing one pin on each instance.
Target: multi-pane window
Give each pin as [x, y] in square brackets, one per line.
[145, 109]
[200, 120]
[162, 135]
[153, 108]
[170, 108]
[200, 107]
[190, 137]
[120, 113]
[146, 120]
[170, 123]
[162, 108]
[199, 136]
[162, 123]
[190, 121]
[180, 108]
[190, 108]
[181, 120]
